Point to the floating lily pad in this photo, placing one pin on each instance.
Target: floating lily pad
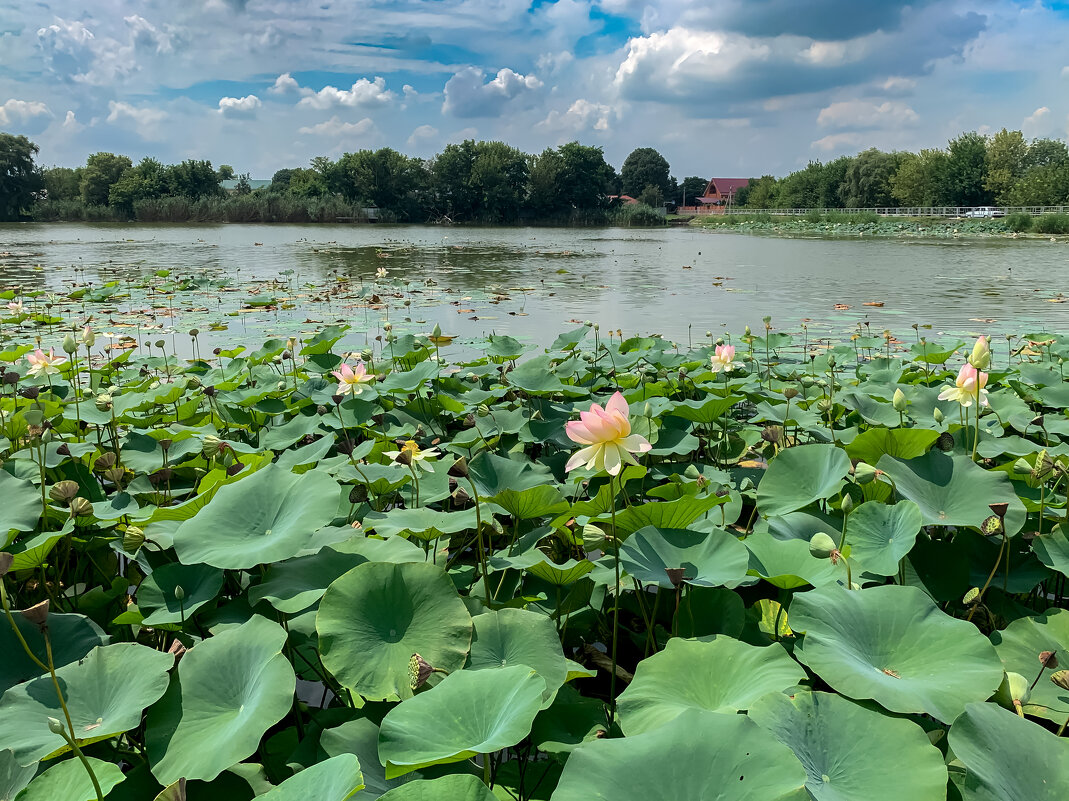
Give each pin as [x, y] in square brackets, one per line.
[880, 535]
[708, 559]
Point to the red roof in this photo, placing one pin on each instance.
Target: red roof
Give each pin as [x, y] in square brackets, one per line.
[725, 186]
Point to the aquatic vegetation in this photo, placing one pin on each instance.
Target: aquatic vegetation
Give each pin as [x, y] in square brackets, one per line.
[770, 567]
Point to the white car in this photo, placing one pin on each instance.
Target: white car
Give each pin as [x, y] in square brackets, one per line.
[985, 212]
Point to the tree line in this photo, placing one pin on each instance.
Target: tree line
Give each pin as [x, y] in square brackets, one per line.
[973, 170]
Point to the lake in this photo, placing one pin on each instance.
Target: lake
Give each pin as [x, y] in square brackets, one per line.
[533, 283]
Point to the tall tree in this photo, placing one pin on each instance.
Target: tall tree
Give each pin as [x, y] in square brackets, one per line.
[966, 162]
[646, 167]
[1004, 163]
[101, 171]
[61, 183]
[193, 179]
[921, 179]
[867, 182]
[690, 189]
[147, 180]
[19, 176]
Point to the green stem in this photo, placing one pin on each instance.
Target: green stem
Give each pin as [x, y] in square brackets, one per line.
[616, 606]
[479, 539]
[69, 735]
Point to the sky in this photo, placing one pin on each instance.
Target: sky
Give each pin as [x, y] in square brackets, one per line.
[723, 88]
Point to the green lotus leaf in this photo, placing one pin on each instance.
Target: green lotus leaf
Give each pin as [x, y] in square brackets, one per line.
[902, 443]
[711, 559]
[21, 509]
[156, 595]
[894, 645]
[507, 637]
[458, 787]
[879, 534]
[422, 522]
[73, 636]
[493, 474]
[176, 791]
[697, 755]
[270, 516]
[788, 564]
[800, 475]
[13, 776]
[334, 779]
[531, 502]
[1053, 549]
[1008, 758]
[229, 690]
[953, 490]
[844, 746]
[470, 712]
[372, 619]
[69, 781]
[718, 675]
[538, 564]
[360, 737]
[1019, 646]
[705, 410]
[571, 720]
[105, 692]
[677, 514]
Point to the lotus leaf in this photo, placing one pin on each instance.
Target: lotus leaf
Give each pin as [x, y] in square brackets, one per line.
[1052, 549]
[471, 712]
[507, 637]
[13, 776]
[372, 619]
[798, 476]
[902, 443]
[880, 535]
[69, 781]
[73, 636]
[844, 746]
[459, 787]
[199, 584]
[21, 509]
[333, 779]
[710, 559]
[360, 737]
[718, 675]
[228, 691]
[1019, 646]
[789, 564]
[894, 645]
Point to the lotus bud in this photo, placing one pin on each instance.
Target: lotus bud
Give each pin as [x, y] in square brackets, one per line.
[459, 469]
[899, 401]
[1022, 468]
[1049, 659]
[1061, 678]
[482, 410]
[847, 504]
[103, 402]
[70, 344]
[38, 615]
[179, 593]
[437, 331]
[55, 726]
[864, 473]
[675, 575]
[63, 491]
[80, 507]
[747, 332]
[822, 546]
[132, 539]
[6, 561]
[971, 597]
[88, 337]
[937, 415]
[981, 354]
[831, 360]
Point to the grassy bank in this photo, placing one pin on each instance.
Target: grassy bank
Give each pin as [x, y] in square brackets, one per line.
[871, 224]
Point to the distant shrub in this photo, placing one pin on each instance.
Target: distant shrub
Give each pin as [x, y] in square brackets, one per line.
[865, 217]
[1051, 224]
[1019, 221]
[813, 216]
[637, 214]
[764, 217]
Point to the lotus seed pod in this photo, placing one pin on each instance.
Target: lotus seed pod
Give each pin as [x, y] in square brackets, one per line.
[461, 496]
[193, 381]
[831, 360]
[864, 473]
[38, 614]
[103, 402]
[115, 475]
[675, 575]
[70, 344]
[1049, 659]
[387, 327]
[821, 545]
[104, 461]
[459, 468]
[847, 504]
[790, 393]
[366, 354]
[1061, 678]
[403, 457]
[482, 410]
[991, 525]
[80, 507]
[6, 560]
[937, 415]
[1043, 467]
[972, 596]
[55, 726]
[999, 509]
[160, 343]
[132, 539]
[63, 491]
[358, 494]
[824, 405]
[419, 670]
[898, 400]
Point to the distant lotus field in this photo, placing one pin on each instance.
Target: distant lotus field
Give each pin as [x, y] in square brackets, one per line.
[750, 568]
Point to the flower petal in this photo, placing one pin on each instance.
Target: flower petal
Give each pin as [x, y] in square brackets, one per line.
[581, 457]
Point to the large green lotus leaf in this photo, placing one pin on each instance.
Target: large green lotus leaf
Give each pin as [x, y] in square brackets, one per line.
[788, 564]
[270, 516]
[507, 637]
[72, 636]
[677, 514]
[800, 475]
[69, 781]
[334, 779]
[705, 410]
[294, 585]
[902, 443]
[361, 738]
[422, 522]
[469, 712]
[879, 534]
[458, 787]
[699, 755]
[1019, 646]
[570, 721]
[373, 618]
[1008, 758]
[532, 502]
[894, 645]
[713, 559]
[156, 595]
[105, 692]
[845, 749]
[539, 564]
[21, 508]
[1053, 549]
[229, 690]
[953, 490]
[718, 675]
[493, 474]
[13, 776]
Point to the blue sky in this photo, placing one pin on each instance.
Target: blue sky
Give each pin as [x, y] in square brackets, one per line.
[721, 87]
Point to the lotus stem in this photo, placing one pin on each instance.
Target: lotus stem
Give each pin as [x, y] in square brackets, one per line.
[990, 576]
[479, 540]
[67, 735]
[616, 605]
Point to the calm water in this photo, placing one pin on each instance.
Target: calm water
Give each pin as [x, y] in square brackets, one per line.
[534, 282]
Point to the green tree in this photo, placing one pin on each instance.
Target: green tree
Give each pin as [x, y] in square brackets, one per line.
[921, 179]
[867, 182]
[243, 187]
[193, 179]
[759, 193]
[101, 171]
[966, 163]
[499, 180]
[1046, 153]
[689, 190]
[1044, 185]
[651, 196]
[225, 172]
[280, 181]
[646, 167]
[307, 183]
[1004, 163]
[147, 180]
[571, 177]
[61, 183]
[384, 179]
[19, 177]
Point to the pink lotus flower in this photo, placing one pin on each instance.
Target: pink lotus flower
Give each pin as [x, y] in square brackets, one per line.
[968, 387]
[350, 379]
[607, 435]
[42, 363]
[724, 359]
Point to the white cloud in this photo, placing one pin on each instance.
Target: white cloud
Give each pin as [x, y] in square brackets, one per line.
[423, 135]
[284, 84]
[146, 35]
[239, 106]
[1038, 123]
[1065, 72]
[72, 50]
[582, 115]
[146, 120]
[865, 114]
[467, 96]
[898, 85]
[70, 122]
[362, 94]
[334, 128]
[14, 111]
[841, 141]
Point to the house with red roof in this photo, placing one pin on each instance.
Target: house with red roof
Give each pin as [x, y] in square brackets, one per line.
[721, 191]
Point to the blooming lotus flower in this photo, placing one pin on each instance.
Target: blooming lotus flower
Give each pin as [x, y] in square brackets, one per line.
[42, 363]
[412, 454]
[968, 387]
[381, 272]
[607, 436]
[350, 379]
[724, 359]
[15, 307]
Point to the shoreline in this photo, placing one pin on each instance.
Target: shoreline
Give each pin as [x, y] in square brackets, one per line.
[885, 228]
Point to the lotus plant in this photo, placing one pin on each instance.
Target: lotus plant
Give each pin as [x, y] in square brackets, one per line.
[606, 433]
[723, 359]
[352, 379]
[969, 385]
[42, 363]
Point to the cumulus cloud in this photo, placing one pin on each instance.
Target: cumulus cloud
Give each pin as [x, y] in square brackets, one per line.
[362, 94]
[284, 84]
[423, 135]
[145, 35]
[72, 51]
[582, 115]
[239, 106]
[467, 96]
[863, 114]
[1038, 123]
[898, 85]
[146, 121]
[335, 128]
[839, 142]
[19, 112]
[70, 122]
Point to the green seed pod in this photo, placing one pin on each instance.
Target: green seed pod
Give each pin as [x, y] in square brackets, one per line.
[971, 597]
[1061, 678]
[132, 539]
[63, 491]
[821, 545]
[80, 507]
[790, 393]
[482, 410]
[103, 402]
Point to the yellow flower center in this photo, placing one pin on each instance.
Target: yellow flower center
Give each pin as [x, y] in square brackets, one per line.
[411, 448]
